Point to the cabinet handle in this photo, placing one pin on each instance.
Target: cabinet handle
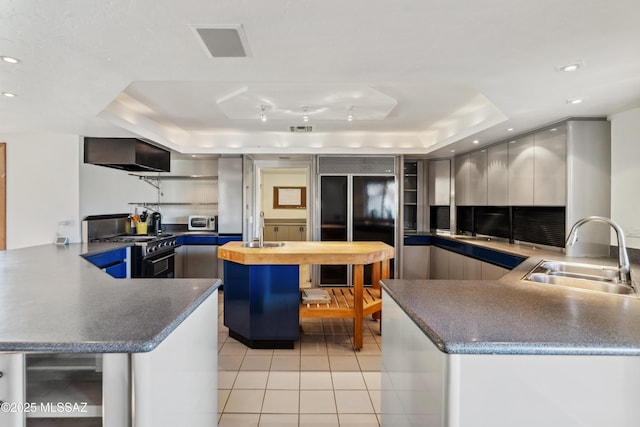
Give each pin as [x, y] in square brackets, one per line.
[301, 229]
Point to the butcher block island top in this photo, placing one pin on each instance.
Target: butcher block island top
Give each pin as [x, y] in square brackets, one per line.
[308, 253]
[354, 302]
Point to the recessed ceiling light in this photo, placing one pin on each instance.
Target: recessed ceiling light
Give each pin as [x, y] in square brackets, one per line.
[9, 94]
[453, 151]
[574, 101]
[512, 142]
[305, 117]
[10, 59]
[570, 67]
[553, 130]
[475, 141]
[509, 129]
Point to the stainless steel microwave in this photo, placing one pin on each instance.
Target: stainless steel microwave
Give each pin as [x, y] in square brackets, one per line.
[202, 222]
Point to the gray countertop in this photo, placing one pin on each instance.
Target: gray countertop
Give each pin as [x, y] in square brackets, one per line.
[53, 300]
[512, 316]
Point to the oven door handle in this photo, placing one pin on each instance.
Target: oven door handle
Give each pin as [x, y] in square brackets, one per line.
[162, 259]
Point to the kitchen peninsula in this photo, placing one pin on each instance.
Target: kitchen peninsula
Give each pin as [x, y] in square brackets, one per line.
[157, 337]
[509, 352]
[262, 295]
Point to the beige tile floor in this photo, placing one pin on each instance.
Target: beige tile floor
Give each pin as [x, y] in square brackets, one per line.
[322, 382]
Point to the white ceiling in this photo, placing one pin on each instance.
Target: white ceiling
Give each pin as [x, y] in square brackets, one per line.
[422, 76]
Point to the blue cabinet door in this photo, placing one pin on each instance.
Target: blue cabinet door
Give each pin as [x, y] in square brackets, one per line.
[119, 270]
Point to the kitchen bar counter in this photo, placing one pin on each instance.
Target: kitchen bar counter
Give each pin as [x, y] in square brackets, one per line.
[508, 352]
[157, 339]
[512, 316]
[53, 300]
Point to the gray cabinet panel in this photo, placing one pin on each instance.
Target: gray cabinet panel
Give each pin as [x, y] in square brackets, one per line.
[477, 192]
[462, 184]
[201, 261]
[498, 175]
[550, 171]
[439, 263]
[456, 266]
[230, 195]
[415, 262]
[521, 167]
[439, 182]
[472, 269]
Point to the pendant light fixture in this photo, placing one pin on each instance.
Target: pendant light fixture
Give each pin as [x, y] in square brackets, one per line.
[305, 117]
[263, 116]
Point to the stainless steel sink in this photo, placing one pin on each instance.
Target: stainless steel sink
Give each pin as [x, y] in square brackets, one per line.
[264, 245]
[593, 285]
[583, 276]
[580, 271]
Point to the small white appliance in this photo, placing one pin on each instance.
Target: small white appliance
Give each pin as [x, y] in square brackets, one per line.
[202, 223]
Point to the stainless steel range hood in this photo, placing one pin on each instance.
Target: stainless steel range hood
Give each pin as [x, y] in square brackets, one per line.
[129, 154]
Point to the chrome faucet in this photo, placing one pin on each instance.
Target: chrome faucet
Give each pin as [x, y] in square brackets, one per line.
[624, 268]
[261, 230]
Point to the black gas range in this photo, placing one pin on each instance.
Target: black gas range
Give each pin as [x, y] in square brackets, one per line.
[151, 255]
[149, 244]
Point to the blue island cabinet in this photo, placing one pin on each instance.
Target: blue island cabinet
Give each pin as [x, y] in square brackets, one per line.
[261, 304]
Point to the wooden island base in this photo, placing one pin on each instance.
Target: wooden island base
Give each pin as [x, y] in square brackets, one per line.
[262, 297]
[354, 303]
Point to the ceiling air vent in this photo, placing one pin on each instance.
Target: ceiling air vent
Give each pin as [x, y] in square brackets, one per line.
[227, 41]
[301, 128]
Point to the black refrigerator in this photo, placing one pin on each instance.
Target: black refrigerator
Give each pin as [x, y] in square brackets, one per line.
[355, 208]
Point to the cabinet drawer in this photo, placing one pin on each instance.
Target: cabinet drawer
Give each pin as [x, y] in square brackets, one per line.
[107, 258]
[199, 239]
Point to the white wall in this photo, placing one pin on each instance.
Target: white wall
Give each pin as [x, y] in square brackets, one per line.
[625, 174]
[108, 191]
[281, 178]
[42, 188]
[105, 190]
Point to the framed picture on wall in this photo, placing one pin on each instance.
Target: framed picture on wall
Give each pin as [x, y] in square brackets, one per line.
[289, 197]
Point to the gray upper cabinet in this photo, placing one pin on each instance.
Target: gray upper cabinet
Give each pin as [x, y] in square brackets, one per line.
[462, 185]
[471, 179]
[521, 169]
[439, 182]
[478, 178]
[550, 170]
[498, 175]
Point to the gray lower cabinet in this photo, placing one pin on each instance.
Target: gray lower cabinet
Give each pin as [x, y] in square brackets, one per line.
[197, 261]
[439, 263]
[415, 262]
[447, 265]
